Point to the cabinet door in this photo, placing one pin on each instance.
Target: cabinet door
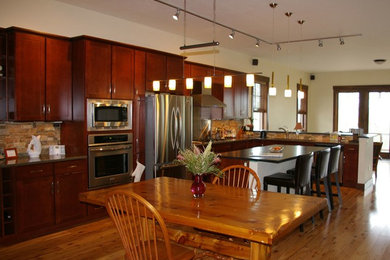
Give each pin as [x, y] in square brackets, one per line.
[139, 130]
[70, 179]
[29, 77]
[156, 70]
[122, 72]
[228, 100]
[139, 72]
[97, 69]
[175, 71]
[58, 79]
[350, 165]
[34, 197]
[3, 102]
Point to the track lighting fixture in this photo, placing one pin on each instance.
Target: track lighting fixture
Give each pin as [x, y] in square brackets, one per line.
[342, 41]
[257, 43]
[231, 36]
[176, 15]
[278, 48]
[320, 43]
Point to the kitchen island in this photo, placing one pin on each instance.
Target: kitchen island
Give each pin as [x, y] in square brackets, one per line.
[355, 162]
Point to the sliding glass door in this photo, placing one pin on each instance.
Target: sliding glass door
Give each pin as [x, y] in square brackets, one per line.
[378, 119]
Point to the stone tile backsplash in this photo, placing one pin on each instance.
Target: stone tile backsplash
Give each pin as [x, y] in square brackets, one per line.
[18, 135]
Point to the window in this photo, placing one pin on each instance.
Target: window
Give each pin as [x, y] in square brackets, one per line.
[363, 107]
[260, 103]
[302, 107]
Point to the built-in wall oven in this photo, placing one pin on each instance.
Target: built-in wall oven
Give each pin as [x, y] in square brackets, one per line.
[109, 159]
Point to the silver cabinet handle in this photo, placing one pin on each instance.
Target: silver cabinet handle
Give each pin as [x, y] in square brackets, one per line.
[43, 109]
[48, 109]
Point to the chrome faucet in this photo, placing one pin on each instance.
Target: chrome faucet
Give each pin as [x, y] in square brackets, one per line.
[285, 129]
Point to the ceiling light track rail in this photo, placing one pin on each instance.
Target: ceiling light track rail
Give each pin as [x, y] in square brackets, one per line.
[257, 39]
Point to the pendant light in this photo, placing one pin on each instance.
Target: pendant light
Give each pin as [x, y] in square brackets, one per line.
[156, 85]
[287, 91]
[172, 84]
[228, 81]
[272, 89]
[189, 83]
[208, 82]
[301, 94]
[250, 80]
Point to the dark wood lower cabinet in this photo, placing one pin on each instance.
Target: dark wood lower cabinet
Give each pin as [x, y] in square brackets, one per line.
[46, 198]
[34, 197]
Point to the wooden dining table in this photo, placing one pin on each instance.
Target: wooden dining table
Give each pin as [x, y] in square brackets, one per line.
[242, 223]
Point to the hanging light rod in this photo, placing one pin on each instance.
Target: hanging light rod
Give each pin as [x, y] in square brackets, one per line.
[200, 45]
[211, 21]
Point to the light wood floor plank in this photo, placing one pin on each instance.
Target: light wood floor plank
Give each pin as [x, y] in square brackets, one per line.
[359, 229]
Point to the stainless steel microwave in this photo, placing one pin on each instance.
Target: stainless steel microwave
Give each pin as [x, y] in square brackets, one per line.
[109, 114]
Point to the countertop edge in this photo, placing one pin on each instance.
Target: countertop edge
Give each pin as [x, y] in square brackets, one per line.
[25, 161]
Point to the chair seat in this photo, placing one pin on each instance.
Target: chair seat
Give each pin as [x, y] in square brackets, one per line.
[280, 179]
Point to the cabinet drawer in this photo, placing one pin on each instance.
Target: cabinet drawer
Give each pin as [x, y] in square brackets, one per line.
[34, 171]
[70, 166]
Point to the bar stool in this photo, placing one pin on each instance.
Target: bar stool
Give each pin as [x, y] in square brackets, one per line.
[333, 168]
[299, 181]
[320, 172]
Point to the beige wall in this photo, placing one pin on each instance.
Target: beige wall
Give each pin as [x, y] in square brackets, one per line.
[59, 18]
[321, 93]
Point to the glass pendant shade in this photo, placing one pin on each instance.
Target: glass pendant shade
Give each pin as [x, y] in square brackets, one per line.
[301, 94]
[207, 82]
[156, 85]
[287, 91]
[272, 91]
[172, 84]
[228, 81]
[250, 80]
[190, 83]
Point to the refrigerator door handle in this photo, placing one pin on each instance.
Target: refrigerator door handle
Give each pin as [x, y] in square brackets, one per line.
[179, 128]
[173, 128]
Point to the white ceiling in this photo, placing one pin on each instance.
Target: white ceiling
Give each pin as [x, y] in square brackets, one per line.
[323, 18]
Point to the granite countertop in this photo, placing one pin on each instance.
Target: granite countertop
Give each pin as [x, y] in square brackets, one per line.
[25, 160]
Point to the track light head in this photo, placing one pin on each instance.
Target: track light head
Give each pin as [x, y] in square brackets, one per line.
[257, 43]
[342, 41]
[176, 15]
[278, 48]
[231, 35]
[320, 43]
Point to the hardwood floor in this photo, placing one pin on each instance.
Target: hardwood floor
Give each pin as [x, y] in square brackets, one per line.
[359, 229]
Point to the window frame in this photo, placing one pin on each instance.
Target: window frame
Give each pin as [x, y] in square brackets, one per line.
[264, 86]
[303, 111]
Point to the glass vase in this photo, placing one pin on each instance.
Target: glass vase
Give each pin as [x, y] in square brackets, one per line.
[198, 187]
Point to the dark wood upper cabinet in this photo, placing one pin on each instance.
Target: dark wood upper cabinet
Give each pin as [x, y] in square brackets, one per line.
[156, 70]
[122, 76]
[97, 69]
[175, 71]
[139, 72]
[106, 70]
[39, 77]
[58, 79]
[26, 77]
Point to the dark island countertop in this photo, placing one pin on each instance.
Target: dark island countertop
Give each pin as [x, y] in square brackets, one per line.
[25, 160]
[263, 154]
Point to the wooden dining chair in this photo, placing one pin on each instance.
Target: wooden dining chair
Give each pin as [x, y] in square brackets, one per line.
[238, 176]
[138, 224]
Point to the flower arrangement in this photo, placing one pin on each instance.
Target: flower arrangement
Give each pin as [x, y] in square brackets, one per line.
[199, 163]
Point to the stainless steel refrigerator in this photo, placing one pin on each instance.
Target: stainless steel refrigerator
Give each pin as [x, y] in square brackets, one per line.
[168, 128]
